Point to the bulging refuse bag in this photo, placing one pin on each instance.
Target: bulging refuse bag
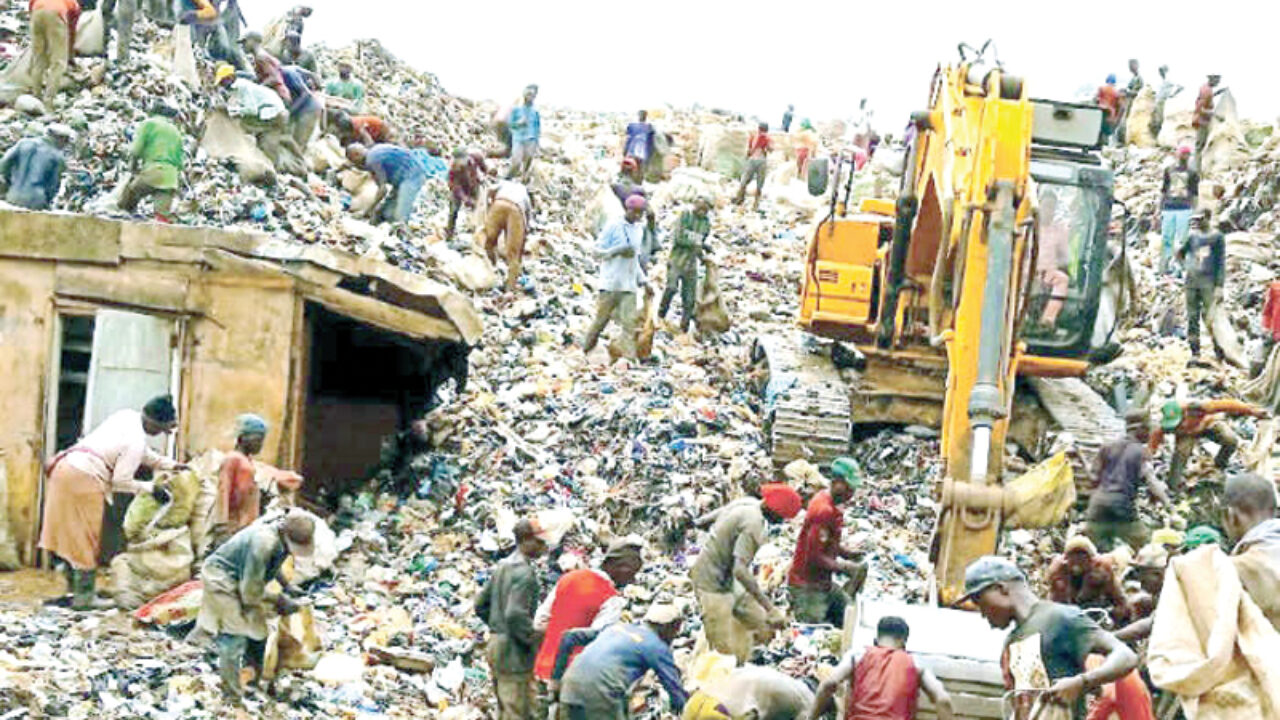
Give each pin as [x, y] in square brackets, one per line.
[711, 314]
[224, 139]
[819, 172]
[151, 567]
[147, 513]
[1043, 495]
[1137, 124]
[91, 37]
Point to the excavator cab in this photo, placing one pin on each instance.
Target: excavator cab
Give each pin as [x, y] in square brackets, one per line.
[1074, 198]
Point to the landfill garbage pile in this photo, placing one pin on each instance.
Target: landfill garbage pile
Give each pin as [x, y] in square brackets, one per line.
[595, 450]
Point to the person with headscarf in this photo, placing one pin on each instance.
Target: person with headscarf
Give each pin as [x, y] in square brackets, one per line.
[239, 499]
[1083, 577]
[620, 246]
[233, 608]
[81, 481]
[734, 607]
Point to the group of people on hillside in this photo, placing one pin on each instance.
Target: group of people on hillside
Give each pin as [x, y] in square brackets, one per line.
[1117, 102]
[247, 549]
[574, 648]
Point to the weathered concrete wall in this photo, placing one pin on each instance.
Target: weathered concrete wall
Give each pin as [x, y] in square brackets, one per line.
[26, 319]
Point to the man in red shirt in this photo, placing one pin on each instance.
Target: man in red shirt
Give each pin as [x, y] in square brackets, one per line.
[586, 599]
[884, 680]
[757, 164]
[265, 66]
[368, 130]
[466, 178]
[1197, 419]
[815, 598]
[53, 35]
[1108, 98]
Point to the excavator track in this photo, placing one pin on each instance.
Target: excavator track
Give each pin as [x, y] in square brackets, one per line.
[810, 412]
[1075, 408]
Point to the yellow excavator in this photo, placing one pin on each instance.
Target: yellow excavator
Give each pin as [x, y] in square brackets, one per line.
[982, 281]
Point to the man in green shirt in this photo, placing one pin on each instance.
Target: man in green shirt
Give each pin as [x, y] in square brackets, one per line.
[347, 88]
[156, 158]
[687, 247]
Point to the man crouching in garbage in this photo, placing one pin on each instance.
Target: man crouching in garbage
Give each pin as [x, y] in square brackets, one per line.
[235, 578]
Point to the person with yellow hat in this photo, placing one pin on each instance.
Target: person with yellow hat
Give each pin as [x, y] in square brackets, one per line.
[1190, 421]
[1081, 576]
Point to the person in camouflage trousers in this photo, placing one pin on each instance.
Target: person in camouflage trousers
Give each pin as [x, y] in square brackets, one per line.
[687, 247]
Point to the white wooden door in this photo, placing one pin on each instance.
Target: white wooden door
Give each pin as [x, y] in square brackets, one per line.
[133, 361]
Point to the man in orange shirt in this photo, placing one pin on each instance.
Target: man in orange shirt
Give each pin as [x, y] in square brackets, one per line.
[586, 599]
[757, 164]
[815, 598]
[53, 35]
[239, 500]
[1194, 420]
[1108, 98]
[368, 130]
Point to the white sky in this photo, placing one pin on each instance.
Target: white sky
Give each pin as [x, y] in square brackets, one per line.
[756, 57]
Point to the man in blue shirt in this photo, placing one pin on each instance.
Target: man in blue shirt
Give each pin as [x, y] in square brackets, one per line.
[620, 246]
[304, 108]
[639, 141]
[32, 169]
[598, 684]
[399, 176]
[526, 132]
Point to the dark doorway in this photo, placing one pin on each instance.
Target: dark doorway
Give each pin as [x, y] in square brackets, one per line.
[363, 384]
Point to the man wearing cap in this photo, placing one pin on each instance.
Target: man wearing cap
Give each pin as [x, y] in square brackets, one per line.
[1251, 524]
[586, 598]
[598, 684]
[734, 607]
[619, 246]
[1195, 419]
[466, 180]
[1120, 468]
[1048, 640]
[1082, 577]
[815, 598]
[884, 680]
[1178, 193]
[83, 478]
[155, 159]
[235, 576]
[688, 243]
[32, 169]
[1204, 255]
[510, 208]
[507, 604]
[525, 123]
[399, 175]
[758, 148]
[239, 500]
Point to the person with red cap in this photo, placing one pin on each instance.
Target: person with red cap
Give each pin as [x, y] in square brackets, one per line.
[621, 276]
[1177, 198]
[734, 607]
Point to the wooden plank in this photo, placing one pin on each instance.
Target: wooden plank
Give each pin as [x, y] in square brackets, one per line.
[380, 314]
[167, 292]
[55, 236]
[951, 668]
[968, 706]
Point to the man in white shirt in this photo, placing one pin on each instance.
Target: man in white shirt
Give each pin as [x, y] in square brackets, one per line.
[620, 246]
[509, 209]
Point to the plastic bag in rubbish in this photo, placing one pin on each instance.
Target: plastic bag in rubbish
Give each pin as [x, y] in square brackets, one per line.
[1044, 494]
